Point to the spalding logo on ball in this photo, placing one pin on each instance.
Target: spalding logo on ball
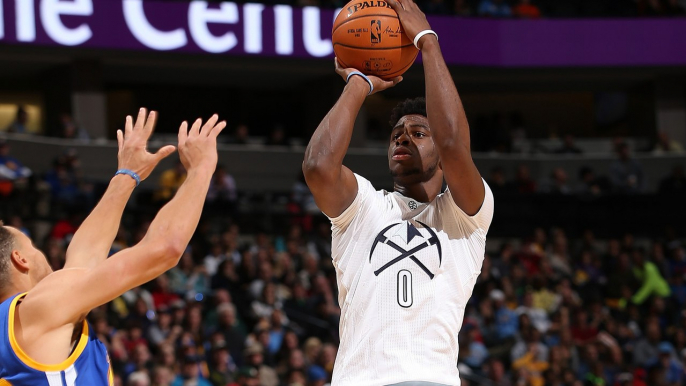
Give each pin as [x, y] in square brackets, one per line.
[368, 36]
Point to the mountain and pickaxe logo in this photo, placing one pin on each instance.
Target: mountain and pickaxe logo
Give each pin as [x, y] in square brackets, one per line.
[407, 232]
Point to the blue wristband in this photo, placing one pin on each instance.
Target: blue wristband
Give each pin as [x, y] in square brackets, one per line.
[129, 173]
[371, 86]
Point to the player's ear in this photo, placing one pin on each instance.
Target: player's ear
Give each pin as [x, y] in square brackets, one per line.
[20, 262]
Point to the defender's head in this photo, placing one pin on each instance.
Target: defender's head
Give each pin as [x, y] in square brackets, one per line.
[412, 154]
[22, 265]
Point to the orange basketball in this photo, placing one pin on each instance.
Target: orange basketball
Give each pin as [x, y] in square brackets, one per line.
[368, 36]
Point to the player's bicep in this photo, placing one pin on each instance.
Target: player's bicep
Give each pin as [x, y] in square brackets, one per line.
[333, 193]
[463, 179]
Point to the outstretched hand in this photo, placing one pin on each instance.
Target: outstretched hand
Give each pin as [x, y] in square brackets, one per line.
[379, 84]
[133, 153]
[198, 147]
[412, 19]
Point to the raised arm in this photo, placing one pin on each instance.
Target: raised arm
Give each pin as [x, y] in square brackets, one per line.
[93, 240]
[79, 290]
[333, 185]
[447, 118]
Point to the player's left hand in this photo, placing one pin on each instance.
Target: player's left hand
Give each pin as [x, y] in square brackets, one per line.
[379, 84]
[412, 19]
[133, 142]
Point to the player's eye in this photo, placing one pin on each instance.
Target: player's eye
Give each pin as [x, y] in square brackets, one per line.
[419, 134]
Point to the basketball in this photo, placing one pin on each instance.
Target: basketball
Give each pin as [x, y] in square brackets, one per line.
[368, 36]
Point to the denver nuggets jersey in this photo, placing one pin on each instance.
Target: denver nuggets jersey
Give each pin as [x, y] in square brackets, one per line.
[88, 365]
[405, 272]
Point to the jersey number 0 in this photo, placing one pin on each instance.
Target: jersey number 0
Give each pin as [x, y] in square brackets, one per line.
[405, 288]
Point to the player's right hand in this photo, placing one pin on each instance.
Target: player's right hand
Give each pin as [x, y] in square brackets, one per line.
[379, 84]
[412, 19]
[198, 146]
[133, 153]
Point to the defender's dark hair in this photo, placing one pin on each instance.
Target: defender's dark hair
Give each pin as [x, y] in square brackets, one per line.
[6, 246]
[408, 107]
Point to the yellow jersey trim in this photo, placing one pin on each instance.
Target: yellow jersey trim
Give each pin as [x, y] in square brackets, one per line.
[5, 383]
[83, 340]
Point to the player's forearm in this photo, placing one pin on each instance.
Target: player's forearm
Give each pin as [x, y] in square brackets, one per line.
[446, 115]
[93, 240]
[176, 222]
[330, 141]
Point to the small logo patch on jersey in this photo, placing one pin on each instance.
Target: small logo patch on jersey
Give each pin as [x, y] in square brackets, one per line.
[412, 204]
[409, 231]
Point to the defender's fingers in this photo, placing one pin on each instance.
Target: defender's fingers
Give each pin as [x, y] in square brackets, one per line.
[120, 139]
[128, 126]
[183, 132]
[195, 129]
[140, 121]
[207, 128]
[150, 123]
[164, 152]
[218, 128]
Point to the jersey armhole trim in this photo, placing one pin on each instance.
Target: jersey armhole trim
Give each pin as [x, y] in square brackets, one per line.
[28, 361]
[5, 383]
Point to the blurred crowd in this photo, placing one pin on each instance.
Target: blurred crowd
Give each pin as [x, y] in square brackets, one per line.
[256, 307]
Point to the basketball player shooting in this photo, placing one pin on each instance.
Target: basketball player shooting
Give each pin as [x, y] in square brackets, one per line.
[44, 338]
[406, 261]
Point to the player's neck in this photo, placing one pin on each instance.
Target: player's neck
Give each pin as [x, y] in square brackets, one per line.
[422, 191]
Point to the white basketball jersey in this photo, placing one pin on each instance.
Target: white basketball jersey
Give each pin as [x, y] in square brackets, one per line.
[405, 272]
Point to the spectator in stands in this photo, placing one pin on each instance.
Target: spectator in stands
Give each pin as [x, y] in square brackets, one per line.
[222, 194]
[497, 181]
[241, 136]
[568, 146]
[19, 123]
[462, 8]
[170, 181]
[255, 358]
[70, 130]
[12, 171]
[277, 137]
[626, 173]
[526, 10]
[557, 184]
[666, 145]
[189, 375]
[652, 282]
[589, 184]
[523, 183]
[494, 8]
[675, 183]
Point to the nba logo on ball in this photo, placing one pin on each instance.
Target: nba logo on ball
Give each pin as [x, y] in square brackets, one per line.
[368, 36]
[376, 31]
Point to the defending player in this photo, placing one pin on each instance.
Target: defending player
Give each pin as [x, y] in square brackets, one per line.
[406, 261]
[44, 338]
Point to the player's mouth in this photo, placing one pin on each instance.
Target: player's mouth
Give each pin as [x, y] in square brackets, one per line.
[401, 153]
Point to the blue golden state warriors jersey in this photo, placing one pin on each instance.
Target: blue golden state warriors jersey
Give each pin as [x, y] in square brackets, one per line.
[88, 365]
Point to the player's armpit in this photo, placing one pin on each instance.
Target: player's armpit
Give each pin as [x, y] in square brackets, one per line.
[333, 193]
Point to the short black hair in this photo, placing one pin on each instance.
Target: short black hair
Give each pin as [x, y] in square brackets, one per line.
[408, 107]
[6, 247]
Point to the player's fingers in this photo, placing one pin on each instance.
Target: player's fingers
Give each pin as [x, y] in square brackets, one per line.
[140, 121]
[150, 123]
[207, 128]
[218, 128]
[120, 139]
[195, 129]
[183, 132]
[164, 152]
[397, 7]
[397, 80]
[128, 126]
